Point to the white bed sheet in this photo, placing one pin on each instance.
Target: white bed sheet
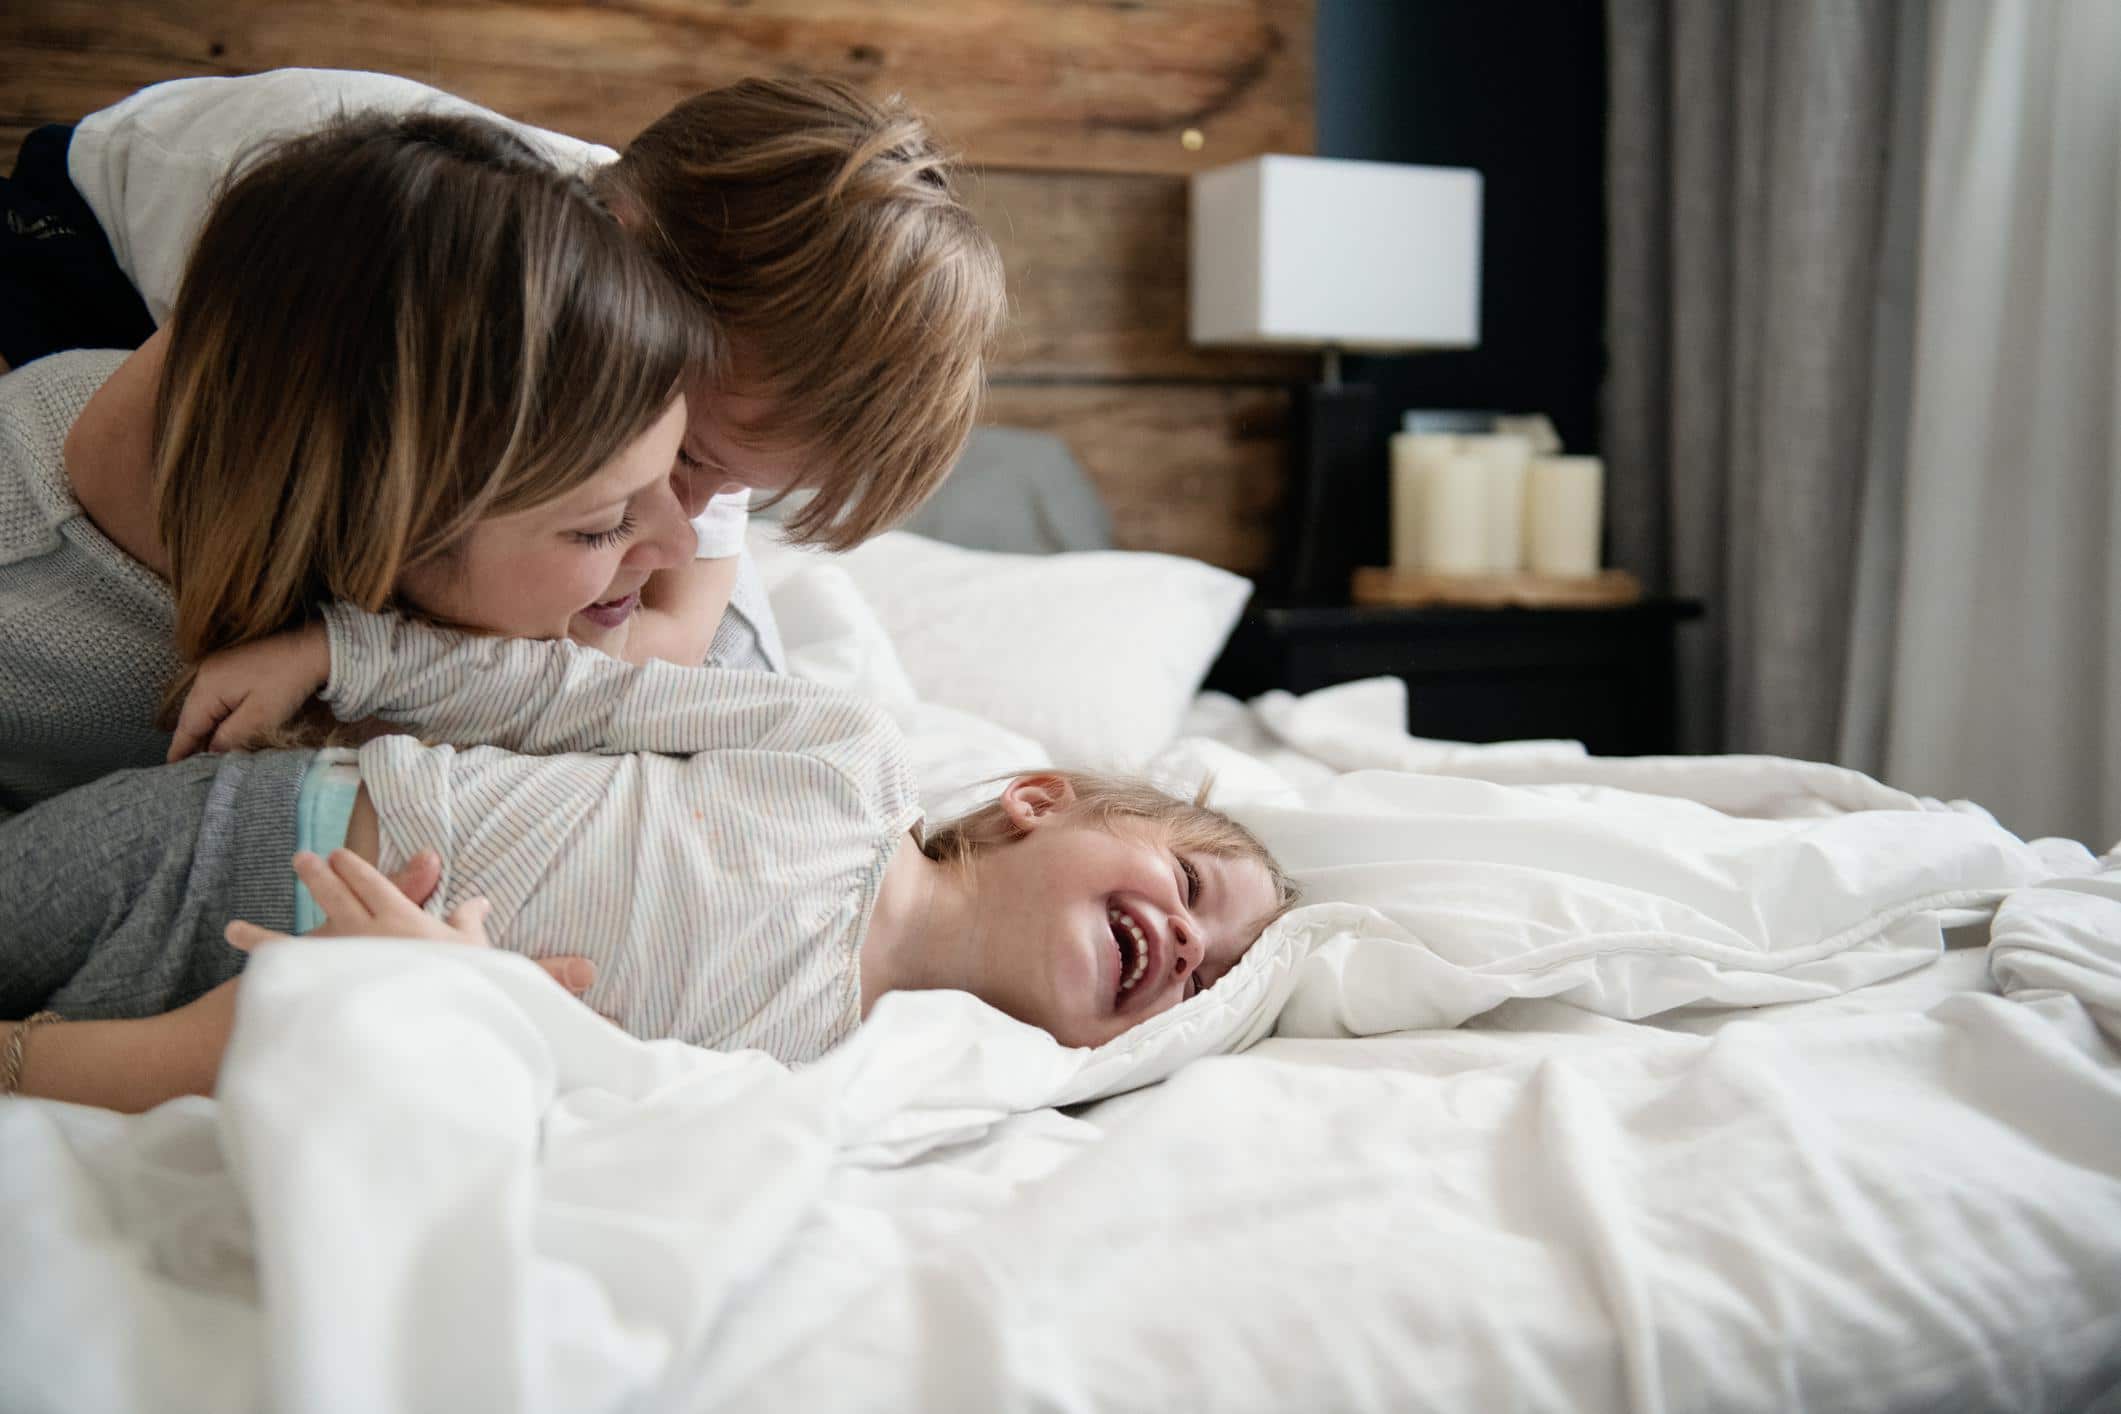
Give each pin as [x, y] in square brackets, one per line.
[431, 1182]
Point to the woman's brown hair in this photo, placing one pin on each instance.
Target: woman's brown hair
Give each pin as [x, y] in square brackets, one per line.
[824, 231]
[389, 330]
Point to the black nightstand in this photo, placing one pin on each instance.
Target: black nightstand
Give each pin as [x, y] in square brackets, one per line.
[1600, 676]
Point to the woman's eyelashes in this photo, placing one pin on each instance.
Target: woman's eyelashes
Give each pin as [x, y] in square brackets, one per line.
[600, 539]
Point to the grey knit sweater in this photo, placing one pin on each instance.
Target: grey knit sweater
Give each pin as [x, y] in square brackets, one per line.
[84, 628]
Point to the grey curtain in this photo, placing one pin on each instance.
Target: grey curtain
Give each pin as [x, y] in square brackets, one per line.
[1748, 149]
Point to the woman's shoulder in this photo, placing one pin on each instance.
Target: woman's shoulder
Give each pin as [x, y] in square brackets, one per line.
[38, 405]
[52, 391]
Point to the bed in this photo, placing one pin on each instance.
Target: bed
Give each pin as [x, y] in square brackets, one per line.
[1576, 1084]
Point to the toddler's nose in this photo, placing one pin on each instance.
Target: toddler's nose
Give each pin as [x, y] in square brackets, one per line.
[1187, 949]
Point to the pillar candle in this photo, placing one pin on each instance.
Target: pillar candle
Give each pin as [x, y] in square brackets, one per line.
[1414, 459]
[1454, 515]
[1507, 458]
[1563, 510]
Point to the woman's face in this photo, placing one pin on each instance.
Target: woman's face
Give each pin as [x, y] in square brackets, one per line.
[573, 567]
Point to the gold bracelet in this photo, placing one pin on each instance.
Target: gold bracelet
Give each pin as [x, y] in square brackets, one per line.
[11, 1065]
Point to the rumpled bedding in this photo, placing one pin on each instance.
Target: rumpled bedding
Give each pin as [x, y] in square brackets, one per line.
[1577, 1084]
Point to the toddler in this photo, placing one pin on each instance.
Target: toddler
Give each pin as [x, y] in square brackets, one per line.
[738, 854]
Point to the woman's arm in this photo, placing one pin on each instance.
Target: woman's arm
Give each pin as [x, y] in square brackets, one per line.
[136, 1065]
[130, 1065]
[141, 1063]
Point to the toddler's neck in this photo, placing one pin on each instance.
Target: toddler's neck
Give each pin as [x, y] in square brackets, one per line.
[919, 934]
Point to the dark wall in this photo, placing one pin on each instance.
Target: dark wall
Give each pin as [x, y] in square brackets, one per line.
[1516, 89]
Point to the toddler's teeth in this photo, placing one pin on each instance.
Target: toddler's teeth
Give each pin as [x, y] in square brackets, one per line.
[1141, 948]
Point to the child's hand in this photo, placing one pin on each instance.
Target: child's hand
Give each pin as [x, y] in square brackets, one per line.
[242, 693]
[359, 901]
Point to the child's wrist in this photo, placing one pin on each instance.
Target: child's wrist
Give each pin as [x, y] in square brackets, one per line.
[313, 642]
[316, 647]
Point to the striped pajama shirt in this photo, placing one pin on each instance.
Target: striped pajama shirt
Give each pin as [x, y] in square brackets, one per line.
[712, 840]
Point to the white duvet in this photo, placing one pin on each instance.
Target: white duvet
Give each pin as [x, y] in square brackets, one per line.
[1714, 1084]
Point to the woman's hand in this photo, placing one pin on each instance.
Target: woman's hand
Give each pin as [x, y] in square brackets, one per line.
[239, 694]
[359, 901]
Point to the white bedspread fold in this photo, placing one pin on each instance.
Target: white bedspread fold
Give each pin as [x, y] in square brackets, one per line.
[1629, 887]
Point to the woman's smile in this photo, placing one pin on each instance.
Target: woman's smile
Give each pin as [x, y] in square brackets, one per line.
[610, 613]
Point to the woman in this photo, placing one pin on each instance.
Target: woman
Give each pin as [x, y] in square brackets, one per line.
[411, 364]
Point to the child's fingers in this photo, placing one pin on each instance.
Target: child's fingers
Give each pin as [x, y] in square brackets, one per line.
[469, 918]
[419, 878]
[369, 884]
[576, 974]
[345, 911]
[261, 710]
[195, 726]
[245, 936]
[239, 728]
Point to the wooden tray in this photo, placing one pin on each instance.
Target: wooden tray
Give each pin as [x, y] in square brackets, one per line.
[1414, 588]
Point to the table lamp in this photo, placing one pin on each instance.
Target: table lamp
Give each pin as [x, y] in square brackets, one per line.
[1334, 255]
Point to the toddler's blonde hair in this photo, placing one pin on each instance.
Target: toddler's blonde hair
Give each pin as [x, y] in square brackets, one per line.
[1106, 800]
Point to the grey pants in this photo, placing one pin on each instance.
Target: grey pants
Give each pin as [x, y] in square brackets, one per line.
[113, 896]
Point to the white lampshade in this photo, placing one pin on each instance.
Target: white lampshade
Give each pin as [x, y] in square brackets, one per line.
[1316, 252]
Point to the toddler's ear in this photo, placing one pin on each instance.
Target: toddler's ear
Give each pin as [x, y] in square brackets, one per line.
[1030, 800]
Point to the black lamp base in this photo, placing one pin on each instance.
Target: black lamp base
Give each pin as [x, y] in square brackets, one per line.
[1338, 513]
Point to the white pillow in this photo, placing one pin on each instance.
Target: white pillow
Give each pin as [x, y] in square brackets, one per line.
[832, 637]
[1094, 655]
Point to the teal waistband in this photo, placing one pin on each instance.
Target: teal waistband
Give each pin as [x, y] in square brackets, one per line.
[322, 813]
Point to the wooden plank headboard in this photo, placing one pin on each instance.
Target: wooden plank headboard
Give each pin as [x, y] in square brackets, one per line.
[1082, 116]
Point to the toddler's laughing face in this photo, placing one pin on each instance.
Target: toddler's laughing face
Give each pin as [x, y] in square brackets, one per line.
[1097, 928]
